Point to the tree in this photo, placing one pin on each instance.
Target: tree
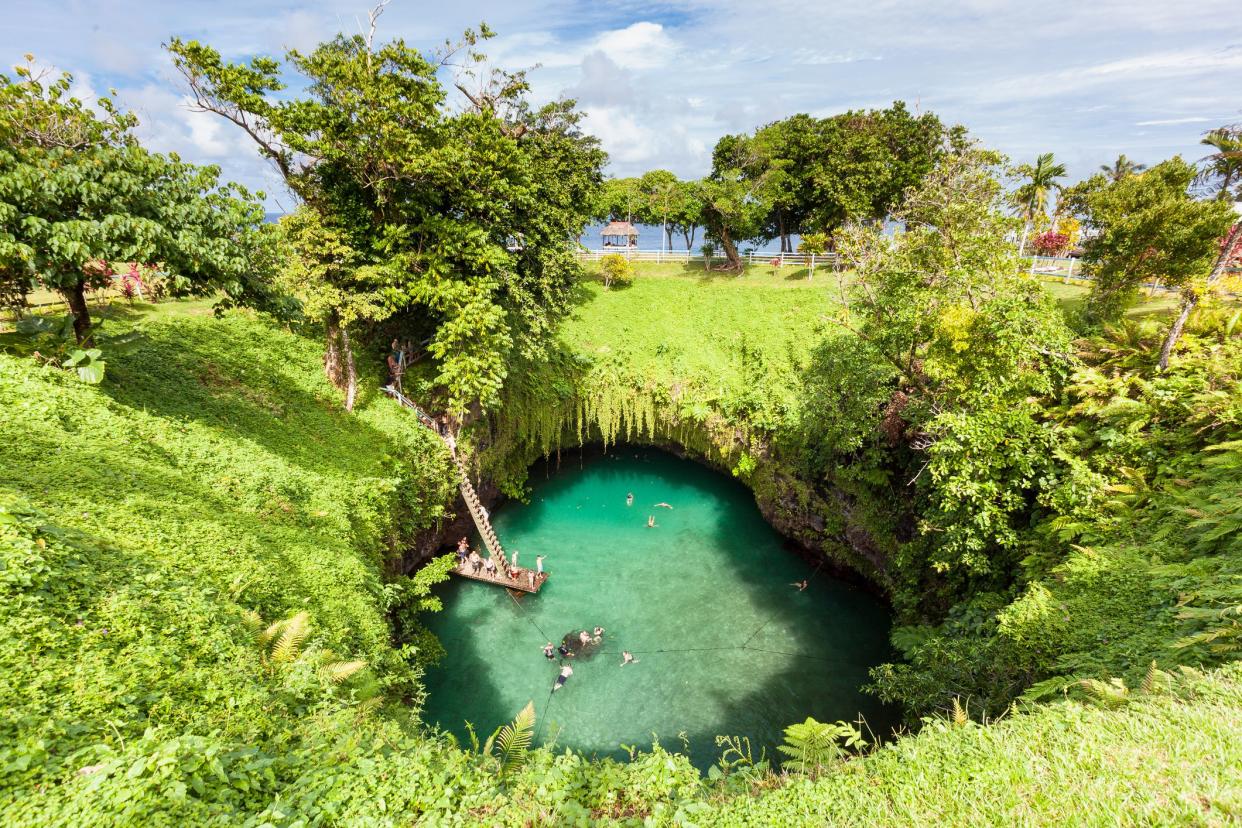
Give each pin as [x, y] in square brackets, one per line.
[733, 211]
[1031, 196]
[687, 213]
[77, 191]
[659, 190]
[1221, 171]
[427, 198]
[964, 341]
[619, 199]
[1148, 228]
[1121, 168]
[1230, 251]
[817, 174]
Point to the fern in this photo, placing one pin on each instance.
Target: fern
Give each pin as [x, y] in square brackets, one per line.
[252, 622]
[511, 742]
[960, 717]
[289, 643]
[1110, 694]
[814, 745]
[338, 672]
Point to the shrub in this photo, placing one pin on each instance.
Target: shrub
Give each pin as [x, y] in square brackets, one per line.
[616, 270]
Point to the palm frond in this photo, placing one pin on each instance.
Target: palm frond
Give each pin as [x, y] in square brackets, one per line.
[513, 740]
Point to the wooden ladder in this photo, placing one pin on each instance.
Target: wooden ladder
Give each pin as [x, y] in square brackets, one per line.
[468, 494]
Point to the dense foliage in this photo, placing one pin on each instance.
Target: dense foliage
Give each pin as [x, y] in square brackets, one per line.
[79, 194]
[456, 225]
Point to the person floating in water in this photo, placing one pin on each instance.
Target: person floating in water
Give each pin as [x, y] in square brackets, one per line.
[627, 658]
[566, 672]
[599, 631]
[650, 521]
[584, 637]
[665, 505]
[549, 651]
[629, 499]
[564, 650]
[801, 585]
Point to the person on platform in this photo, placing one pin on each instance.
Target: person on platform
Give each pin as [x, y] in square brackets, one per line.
[539, 564]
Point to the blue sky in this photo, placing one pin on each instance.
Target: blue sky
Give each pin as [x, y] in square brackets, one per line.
[662, 81]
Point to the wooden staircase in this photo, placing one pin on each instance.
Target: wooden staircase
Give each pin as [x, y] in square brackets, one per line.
[468, 494]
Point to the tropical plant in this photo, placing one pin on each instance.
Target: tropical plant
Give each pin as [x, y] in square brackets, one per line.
[1038, 181]
[813, 746]
[1221, 171]
[1050, 243]
[510, 743]
[1121, 168]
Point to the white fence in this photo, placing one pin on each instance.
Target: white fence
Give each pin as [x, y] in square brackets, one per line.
[807, 260]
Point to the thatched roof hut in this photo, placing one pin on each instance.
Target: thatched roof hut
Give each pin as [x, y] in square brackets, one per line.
[619, 234]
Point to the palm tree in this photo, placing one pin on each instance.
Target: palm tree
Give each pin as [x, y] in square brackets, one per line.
[1122, 168]
[1223, 168]
[1032, 196]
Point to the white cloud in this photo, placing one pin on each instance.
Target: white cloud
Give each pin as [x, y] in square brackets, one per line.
[642, 45]
[1195, 119]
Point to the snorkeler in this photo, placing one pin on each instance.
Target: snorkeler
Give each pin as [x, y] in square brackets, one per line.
[627, 658]
[801, 585]
[629, 499]
[599, 631]
[650, 521]
[584, 637]
[549, 651]
[665, 505]
[566, 672]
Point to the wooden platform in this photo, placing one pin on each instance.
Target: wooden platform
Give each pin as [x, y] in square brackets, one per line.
[521, 583]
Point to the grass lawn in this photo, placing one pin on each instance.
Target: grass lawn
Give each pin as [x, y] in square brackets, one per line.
[677, 321]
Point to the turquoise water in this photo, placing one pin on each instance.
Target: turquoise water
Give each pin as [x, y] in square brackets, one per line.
[725, 644]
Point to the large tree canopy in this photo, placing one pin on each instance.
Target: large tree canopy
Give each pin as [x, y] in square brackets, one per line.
[818, 174]
[78, 192]
[463, 217]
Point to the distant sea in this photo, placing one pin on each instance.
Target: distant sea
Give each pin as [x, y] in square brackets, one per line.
[649, 238]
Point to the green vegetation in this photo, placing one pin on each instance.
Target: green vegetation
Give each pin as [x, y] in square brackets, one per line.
[451, 226]
[208, 615]
[79, 194]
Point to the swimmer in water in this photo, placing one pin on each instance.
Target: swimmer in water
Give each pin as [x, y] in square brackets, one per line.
[627, 658]
[566, 672]
[549, 651]
[629, 499]
[599, 631]
[584, 637]
[665, 505]
[650, 521]
[801, 585]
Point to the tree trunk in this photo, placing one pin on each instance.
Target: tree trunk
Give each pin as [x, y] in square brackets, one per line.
[351, 371]
[1026, 227]
[338, 360]
[668, 237]
[1190, 297]
[689, 234]
[76, 297]
[734, 261]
